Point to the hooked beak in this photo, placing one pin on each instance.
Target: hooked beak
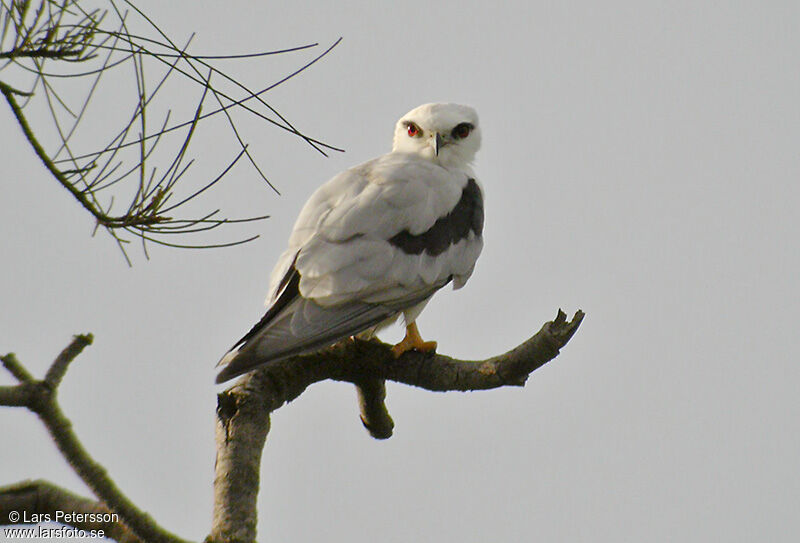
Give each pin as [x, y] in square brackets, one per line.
[437, 144]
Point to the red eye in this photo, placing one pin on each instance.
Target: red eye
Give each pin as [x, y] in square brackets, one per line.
[462, 131]
[413, 130]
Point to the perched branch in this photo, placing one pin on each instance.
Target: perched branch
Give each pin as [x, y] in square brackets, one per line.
[42, 499]
[41, 398]
[245, 408]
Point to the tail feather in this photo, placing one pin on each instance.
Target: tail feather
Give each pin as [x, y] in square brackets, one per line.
[303, 326]
[296, 325]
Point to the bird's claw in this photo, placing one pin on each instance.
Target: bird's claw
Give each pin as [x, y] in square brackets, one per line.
[424, 347]
[413, 342]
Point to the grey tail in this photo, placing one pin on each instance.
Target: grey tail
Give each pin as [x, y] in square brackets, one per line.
[295, 325]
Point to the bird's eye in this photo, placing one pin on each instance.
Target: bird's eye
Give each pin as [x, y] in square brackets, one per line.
[461, 131]
[413, 130]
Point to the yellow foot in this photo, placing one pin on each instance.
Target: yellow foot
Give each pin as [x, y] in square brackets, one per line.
[413, 341]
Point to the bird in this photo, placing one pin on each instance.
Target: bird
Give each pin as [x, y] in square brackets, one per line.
[375, 243]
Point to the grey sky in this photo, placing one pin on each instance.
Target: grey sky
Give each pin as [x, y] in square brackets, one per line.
[640, 162]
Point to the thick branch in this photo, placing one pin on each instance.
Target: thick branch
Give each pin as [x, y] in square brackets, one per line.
[242, 426]
[245, 407]
[40, 397]
[43, 499]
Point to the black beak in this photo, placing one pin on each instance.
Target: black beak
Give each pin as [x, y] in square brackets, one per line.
[437, 144]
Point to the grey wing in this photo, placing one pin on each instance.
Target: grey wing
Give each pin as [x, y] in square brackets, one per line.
[295, 325]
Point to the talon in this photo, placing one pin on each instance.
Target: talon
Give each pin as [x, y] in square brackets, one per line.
[413, 341]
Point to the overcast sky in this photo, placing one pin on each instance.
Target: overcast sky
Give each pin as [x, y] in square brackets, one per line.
[640, 162]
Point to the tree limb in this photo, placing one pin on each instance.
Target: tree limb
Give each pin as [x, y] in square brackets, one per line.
[243, 410]
[40, 397]
[243, 420]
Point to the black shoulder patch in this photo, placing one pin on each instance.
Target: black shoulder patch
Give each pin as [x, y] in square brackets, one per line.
[465, 217]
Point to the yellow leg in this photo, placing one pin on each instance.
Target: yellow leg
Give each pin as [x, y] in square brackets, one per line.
[413, 341]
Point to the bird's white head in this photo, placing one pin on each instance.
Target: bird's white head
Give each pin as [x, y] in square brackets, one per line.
[447, 134]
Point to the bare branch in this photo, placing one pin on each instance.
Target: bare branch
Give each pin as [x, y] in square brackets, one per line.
[243, 410]
[40, 397]
[16, 396]
[16, 369]
[243, 415]
[352, 361]
[61, 363]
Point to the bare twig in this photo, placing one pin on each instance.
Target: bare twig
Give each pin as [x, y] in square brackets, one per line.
[16, 369]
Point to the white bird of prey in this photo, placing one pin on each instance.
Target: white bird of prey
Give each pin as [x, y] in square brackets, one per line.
[376, 241]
